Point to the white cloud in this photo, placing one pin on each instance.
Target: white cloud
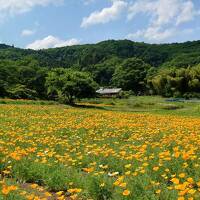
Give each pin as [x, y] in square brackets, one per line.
[165, 16]
[164, 11]
[105, 15]
[27, 32]
[52, 42]
[13, 7]
[187, 13]
[154, 34]
[161, 11]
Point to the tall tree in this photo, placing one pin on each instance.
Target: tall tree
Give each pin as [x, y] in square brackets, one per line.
[131, 74]
[68, 85]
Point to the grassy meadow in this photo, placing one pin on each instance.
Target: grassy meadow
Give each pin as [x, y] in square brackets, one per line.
[142, 148]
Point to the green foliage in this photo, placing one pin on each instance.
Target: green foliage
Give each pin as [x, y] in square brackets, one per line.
[120, 63]
[99, 190]
[126, 94]
[184, 60]
[2, 88]
[83, 56]
[176, 82]
[68, 85]
[104, 71]
[130, 75]
[21, 92]
[22, 81]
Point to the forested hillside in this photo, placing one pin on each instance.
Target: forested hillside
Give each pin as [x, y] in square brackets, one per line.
[166, 69]
[187, 53]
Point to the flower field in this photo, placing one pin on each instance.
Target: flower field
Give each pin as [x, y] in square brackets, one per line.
[57, 152]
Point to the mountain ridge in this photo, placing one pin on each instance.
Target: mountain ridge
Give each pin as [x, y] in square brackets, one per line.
[91, 54]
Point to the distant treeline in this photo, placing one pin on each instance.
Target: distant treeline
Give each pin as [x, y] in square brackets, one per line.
[165, 69]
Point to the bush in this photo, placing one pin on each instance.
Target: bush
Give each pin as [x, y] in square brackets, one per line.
[172, 107]
[126, 94]
[21, 92]
[190, 95]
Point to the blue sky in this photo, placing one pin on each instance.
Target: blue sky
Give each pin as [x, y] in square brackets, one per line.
[39, 24]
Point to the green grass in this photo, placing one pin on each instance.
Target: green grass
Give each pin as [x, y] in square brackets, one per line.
[146, 104]
[149, 104]
[27, 102]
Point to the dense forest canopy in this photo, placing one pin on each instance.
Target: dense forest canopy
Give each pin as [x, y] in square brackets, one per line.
[92, 54]
[165, 69]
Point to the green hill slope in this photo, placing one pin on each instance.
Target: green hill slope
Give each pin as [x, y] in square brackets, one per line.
[164, 69]
[91, 54]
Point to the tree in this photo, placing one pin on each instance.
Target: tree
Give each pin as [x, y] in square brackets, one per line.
[21, 92]
[104, 71]
[131, 74]
[38, 83]
[177, 82]
[67, 85]
[2, 88]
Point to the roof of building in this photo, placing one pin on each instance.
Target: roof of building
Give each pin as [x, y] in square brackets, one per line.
[108, 90]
